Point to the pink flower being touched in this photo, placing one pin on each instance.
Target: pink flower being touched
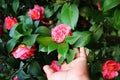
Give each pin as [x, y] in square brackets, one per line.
[54, 65]
[60, 32]
[37, 13]
[15, 78]
[110, 69]
[10, 22]
[23, 52]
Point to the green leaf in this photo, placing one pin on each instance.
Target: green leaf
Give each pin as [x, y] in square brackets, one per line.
[44, 40]
[63, 49]
[97, 32]
[15, 5]
[84, 39]
[36, 23]
[71, 39]
[117, 19]
[109, 4]
[60, 61]
[34, 69]
[11, 44]
[50, 10]
[22, 75]
[43, 48]
[27, 21]
[14, 33]
[52, 46]
[27, 33]
[69, 15]
[30, 40]
[97, 16]
[21, 65]
[12, 62]
[91, 56]
[44, 31]
[96, 67]
[70, 56]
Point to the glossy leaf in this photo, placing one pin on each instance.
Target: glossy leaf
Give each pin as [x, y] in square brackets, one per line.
[71, 39]
[69, 15]
[11, 44]
[43, 48]
[14, 33]
[52, 46]
[97, 32]
[44, 40]
[34, 69]
[91, 57]
[44, 31]
[15, 5]
[36, 23]
[13, 62]
[27, 21]
[70, 56]
[117, 19]
[109, 4]
[30, 40]
[61, 60]
[22, 75]
[50, 10]
[84, 39]
[63, 49]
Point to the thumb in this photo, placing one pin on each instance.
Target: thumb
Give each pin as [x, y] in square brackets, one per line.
[48, 71]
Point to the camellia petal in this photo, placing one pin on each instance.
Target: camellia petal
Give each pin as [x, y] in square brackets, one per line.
[54, 65]
[110, 69]
[37, 13]
[60, 32]
[10, 22]
[23, 52]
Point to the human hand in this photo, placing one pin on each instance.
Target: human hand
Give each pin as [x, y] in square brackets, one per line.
[75, 70]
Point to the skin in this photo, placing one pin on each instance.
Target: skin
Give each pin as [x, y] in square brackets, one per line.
[76, 70]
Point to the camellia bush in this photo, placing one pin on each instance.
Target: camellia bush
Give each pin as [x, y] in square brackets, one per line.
[34, 32]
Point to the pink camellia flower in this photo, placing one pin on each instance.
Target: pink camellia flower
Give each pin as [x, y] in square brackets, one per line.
[41, 10]
[110, 69]
[37, 13]
[10, 22]
[23, 52]
[54, 65]
[1, 30]
[60, 32]
[15, 78]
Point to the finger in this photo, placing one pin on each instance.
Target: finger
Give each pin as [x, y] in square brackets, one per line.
[80, 62]
[81, 59]
[83, 53]
[77, 52]
[48, 70]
